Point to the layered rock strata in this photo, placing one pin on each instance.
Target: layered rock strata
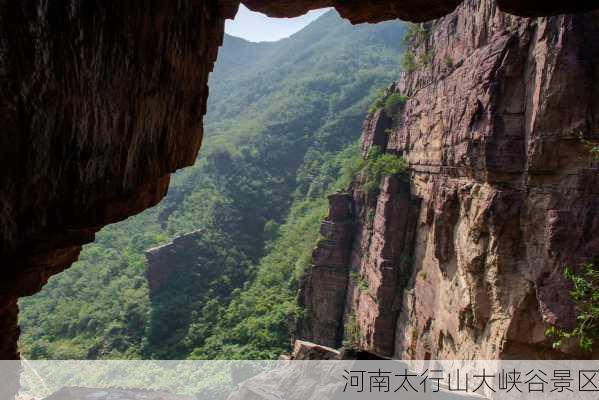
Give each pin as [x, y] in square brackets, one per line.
[323, 288]
[467, 262]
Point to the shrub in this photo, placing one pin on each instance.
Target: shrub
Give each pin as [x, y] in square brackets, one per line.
[360, 281]
[585, 293]
[379, 102]
[416, 35]
[378, 165]
[352, 332]
[392, 103]
[591, 147]
[425, 58]
[408, 62]
[448, 61]
[389, 103]
[370, 217]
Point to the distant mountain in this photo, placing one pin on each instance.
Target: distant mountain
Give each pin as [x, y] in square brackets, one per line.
[280, 124]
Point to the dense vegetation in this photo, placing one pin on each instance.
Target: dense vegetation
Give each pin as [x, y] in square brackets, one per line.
[585, 293]
[280, 131]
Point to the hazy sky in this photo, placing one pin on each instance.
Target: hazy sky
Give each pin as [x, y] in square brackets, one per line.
[258, 27]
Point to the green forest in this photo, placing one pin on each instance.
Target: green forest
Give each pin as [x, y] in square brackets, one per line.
[280, 133]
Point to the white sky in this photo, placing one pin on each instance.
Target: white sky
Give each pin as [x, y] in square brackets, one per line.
[257, 27]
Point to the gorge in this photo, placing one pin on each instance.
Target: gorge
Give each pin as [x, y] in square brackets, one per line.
[502, 193]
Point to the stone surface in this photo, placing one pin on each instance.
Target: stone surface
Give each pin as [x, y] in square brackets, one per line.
[160, 260]
[359, 11]
[467, 262]
[323, 287]
[101, 102]
[304, 351]
[411, 10]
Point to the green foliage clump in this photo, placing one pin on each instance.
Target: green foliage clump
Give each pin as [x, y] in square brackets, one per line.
[416, 35]
[378, 103]
[392, 103]
[408, 62]
[360, 281]
[353, 333]
[425, 57]
[585, 293]
[448, 61]
[591, 147]
[377, 165]
[389, 103]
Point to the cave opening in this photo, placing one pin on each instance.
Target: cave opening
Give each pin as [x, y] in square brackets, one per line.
[66, 183]
[157, 284]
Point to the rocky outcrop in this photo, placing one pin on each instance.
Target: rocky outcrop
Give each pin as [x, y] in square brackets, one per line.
[160, 260]
[77, 393]
[467, 262]
[101, 102]
[323, 288]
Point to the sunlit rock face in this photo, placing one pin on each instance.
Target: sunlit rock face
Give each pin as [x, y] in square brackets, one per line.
[467, 261]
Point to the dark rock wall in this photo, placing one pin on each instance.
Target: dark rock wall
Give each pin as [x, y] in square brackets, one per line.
[323, 288]
[100, 101]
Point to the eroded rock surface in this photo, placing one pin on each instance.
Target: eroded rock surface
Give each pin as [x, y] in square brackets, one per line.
[77, 393]
[467, 262]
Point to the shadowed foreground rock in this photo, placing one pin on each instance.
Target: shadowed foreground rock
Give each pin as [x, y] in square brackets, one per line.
[100, 101]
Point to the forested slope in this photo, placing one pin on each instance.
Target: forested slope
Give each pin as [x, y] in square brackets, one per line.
[279, 118]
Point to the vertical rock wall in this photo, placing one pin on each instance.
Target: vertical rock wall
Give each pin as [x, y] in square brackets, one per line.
[467, 262]
[323, 288]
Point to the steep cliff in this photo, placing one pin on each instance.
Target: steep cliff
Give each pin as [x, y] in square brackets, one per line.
[467, 261]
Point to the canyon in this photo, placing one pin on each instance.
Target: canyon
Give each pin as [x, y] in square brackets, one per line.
[103, 101]
[464, 259]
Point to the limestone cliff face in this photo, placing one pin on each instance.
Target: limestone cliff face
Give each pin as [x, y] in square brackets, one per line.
[466, 260]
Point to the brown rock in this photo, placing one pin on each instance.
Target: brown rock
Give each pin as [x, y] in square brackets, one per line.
[101, 102]
[508, 193]
[359, 11]
[410, 10]
[304, 351]
[159, 260]
[323, 287]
